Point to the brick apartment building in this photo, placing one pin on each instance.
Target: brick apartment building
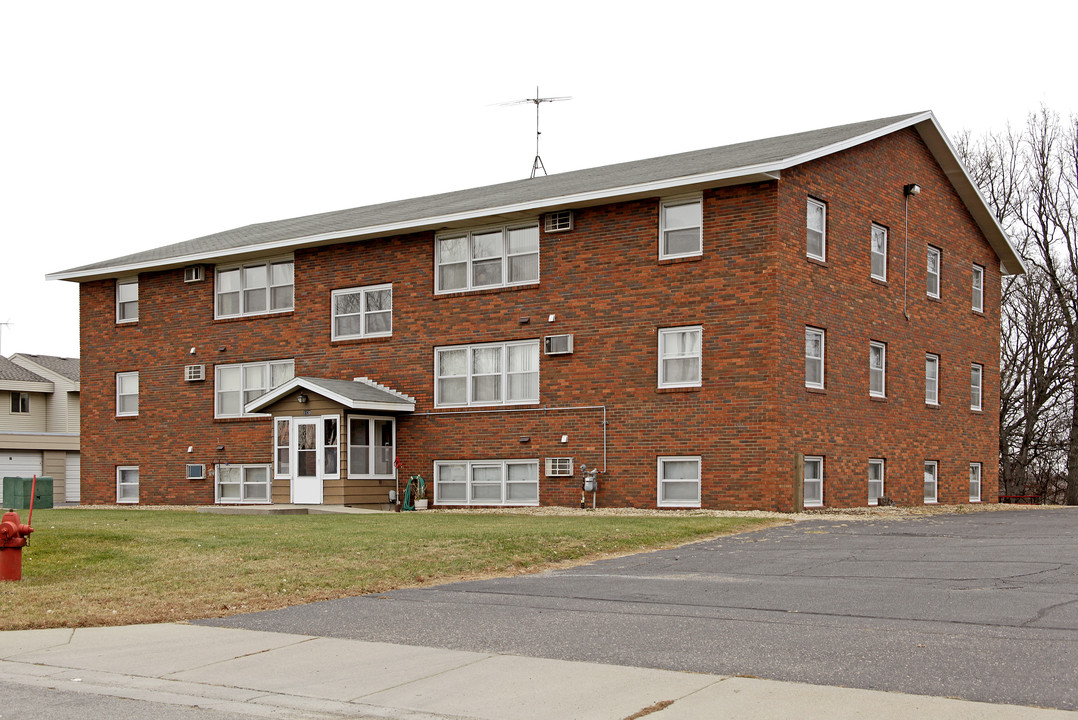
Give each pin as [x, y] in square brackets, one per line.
[713, 329]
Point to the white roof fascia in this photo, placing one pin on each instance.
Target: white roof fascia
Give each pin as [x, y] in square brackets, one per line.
[276, 394]
[27, 386]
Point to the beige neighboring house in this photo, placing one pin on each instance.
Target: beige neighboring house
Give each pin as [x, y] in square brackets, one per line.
[39, 421]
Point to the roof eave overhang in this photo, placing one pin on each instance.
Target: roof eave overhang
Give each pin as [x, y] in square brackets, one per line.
[27, 386]
[261, 403]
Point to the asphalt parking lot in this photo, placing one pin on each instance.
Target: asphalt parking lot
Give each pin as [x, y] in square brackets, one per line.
[979, 606]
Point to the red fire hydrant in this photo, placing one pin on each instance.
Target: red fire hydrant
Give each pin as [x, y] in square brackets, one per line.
[13, 538]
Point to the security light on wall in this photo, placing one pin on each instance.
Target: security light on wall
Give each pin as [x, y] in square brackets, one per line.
[302, 399]
[912, 189]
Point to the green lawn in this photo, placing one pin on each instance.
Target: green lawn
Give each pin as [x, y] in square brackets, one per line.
[87, 567]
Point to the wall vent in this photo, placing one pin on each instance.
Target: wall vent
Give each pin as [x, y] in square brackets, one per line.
[196, 471]
[194, 273]
[559, 467]
[558, 344]
[561, 221]
[192, 373]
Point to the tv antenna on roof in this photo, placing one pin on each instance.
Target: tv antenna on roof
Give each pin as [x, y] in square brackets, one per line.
[2, 326]
[537, 163]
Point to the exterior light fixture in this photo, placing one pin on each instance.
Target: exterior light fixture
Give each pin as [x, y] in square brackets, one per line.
[911, 189]
[302, 399]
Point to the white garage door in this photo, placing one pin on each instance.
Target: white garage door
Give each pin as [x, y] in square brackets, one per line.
[72, 485]
[18, 463]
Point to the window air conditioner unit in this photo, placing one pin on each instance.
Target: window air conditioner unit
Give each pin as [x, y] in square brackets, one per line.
[196, 471]
[561, 221]
[191, 373]
[194, 273]
[558, 344]
[559, 467]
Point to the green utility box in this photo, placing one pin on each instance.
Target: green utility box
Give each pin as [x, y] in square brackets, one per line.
[17, 492]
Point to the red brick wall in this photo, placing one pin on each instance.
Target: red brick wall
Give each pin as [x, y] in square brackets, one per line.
[752, 291]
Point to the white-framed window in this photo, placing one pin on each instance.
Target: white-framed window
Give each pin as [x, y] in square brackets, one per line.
[487, 374]
[362, 312]
[127, 300]
[816, 232]
[126, 394]
[20, 403]
[255, 288]
[680, 356]
[974, 482]
[490, 257]
[931, 480]
[236, 385]
[371, 447]
[976, 377]
[879, 252]
[331, 446]
[932, 379]
[681, 222]
[242, 484]
[875, 480]
[282, 434]
[486, 482]
[935, 256]
[813, 486]
[814, 354]
[877, 369]
[978, 288]
[679, 481]
[127, 484]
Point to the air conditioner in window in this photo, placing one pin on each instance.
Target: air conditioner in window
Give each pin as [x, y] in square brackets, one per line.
[194, 273]
[558, 344]
[559, 467]
[196, 471]
[561, 221]
[192, 373]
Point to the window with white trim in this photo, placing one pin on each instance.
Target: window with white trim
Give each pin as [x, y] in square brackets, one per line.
[875, 480]
[978, 288]
[127, 484]
[363, 312]
[371, 447]
[935, 256]
[20, 403]
[813, 486]
[879, 252]
[127, 300]
[816, 231]
[236, 385]
[487, 374]
[491, 482]
[242, 484]
[814, 349]
[126, 394]
[932, 379]
[282, 433]
[486, 258]
[680, 356]
[679, 481]
[331, 446]
[877, 369]
[681, 223]
[931, 480]
[974, 482]
[256, 288]
[976, 379]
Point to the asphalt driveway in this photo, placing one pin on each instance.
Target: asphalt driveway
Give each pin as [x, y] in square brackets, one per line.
[981, 606]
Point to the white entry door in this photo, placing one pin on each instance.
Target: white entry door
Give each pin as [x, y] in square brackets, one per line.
[307, 461]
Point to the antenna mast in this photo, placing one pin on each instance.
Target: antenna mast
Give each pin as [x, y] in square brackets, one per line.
[9, 324]
[537, 163]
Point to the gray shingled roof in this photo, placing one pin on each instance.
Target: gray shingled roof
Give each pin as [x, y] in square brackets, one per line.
[594, 180]
[68, 367]
[356, 391]
[11, 371]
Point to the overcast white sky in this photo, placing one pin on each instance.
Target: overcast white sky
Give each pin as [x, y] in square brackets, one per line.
[129, 125]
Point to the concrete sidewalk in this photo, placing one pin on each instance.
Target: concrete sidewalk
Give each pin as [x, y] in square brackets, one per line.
[297, 676]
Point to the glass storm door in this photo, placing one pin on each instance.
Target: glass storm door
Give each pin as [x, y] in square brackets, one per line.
[307, 463]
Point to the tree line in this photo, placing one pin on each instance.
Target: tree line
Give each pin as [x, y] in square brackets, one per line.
[1029, 177]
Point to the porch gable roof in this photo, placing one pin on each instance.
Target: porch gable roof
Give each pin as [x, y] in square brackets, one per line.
[359, 394]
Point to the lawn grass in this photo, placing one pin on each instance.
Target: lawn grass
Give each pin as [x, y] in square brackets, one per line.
[92, 567]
